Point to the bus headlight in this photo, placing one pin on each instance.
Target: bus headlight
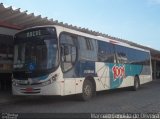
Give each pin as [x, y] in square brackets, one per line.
[46, 82]
[14, 82]
[51, 80]
[54, 78]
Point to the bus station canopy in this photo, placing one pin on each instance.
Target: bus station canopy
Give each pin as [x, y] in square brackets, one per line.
[17, 19]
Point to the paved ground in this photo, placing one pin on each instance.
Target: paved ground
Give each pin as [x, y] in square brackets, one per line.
[147, 99]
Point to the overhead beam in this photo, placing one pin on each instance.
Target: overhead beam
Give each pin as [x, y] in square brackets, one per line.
[8, 25]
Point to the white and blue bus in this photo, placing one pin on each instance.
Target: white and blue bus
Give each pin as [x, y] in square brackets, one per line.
[54, 60]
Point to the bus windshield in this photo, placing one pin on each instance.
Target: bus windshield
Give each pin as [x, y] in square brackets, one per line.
[36, 50]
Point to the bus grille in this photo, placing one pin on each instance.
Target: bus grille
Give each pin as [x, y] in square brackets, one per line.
[30, 90]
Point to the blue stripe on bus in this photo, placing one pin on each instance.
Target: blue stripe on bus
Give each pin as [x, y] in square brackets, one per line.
[85, 68]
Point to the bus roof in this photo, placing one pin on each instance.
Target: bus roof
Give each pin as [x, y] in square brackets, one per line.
[101, 38]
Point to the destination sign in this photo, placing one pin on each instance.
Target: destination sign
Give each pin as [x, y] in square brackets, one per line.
[33, 33]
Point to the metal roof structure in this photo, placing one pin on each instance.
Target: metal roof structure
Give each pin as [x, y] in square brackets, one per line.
[16, 19]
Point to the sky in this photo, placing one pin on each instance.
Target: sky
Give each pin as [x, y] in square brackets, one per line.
[133, 20]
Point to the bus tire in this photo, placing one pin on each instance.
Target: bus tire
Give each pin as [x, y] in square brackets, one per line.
[87, 91]
[136, 85]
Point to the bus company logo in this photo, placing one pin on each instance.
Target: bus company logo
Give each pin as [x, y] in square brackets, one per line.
[118, 72]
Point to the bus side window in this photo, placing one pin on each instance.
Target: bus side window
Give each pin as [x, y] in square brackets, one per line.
[121, 54]
[68, 52]
[105, 52]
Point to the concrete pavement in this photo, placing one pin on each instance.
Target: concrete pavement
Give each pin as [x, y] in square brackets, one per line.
[7, 97]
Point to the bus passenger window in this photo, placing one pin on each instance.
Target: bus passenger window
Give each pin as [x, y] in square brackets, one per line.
[68, 57]
[105, 52]
[68, 52]
[121, 54]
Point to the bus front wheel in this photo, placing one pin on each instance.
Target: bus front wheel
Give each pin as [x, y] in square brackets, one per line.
[87, 90]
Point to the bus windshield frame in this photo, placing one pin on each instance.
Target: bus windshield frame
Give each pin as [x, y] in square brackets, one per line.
[35, 52]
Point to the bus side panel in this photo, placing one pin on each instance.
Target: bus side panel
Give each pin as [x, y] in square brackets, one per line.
[69, 82]
[102, 70]
[69, 86]
[145, 75]
[131, 71]
[106, 75]
[111, 75]
[122, 75]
